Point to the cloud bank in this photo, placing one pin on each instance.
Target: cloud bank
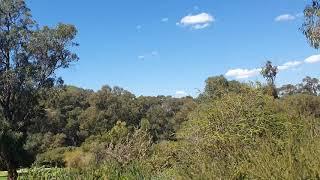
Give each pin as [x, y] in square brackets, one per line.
[240, 73]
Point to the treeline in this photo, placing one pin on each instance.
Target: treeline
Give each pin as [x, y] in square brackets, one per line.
[308, 86]
[73, 116]
[232, 130]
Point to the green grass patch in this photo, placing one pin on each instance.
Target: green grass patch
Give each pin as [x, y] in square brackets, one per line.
[3, 175]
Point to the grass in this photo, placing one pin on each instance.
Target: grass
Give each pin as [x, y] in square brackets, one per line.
[3, 175]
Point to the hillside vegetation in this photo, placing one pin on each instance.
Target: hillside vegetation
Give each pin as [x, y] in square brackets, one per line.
[231, 130]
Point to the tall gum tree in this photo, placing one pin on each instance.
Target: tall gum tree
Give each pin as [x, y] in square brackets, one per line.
[311, 24]
[29, 57]
[269, 72]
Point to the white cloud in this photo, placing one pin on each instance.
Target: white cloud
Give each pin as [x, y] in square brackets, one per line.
[312, 59]
[198, 21]
[165, 19]
[289, 65]
[243, 73]
[201, 26]
[247, 73]
[285, 17]
[180, 94]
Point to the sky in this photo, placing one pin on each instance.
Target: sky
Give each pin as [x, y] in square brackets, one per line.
[170, 47]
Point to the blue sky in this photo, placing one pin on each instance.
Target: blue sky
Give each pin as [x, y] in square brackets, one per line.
[170, 47]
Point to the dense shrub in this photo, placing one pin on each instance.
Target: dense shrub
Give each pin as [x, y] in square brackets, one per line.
[53, 158]
[248, 135]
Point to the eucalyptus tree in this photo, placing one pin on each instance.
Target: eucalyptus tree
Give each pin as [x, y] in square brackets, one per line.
[311, 25]
[311, 85]
[269, 72]
[29, 57]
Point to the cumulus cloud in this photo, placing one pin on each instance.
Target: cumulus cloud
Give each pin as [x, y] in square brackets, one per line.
[201, 26]
[198, 21]
[289, 65]
[312, 59]
[180, 94]
[285, 17]
[243, 73]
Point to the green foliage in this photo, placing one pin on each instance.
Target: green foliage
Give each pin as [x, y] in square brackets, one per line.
[270, 72]
[52, 158]
[117, 146]
[247, 135]
[29, 57]
[232, 130]
[309, 86]
[218, 85]
[310, 27]
[108, 106]
[108, 171]
[78, 159]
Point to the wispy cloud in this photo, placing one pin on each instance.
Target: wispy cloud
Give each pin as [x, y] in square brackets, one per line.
[298, 15]
[285, 17]
[148, 55]
[289, 65]
[141, 57]
[154, 53]
[288, 17]
[180, 94]
[198, 21]
[240, 73]
[165, 19]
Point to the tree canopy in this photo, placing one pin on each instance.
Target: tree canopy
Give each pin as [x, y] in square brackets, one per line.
[29, 57]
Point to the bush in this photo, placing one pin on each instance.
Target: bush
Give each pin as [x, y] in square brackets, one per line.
[248, 135]
[53, 158]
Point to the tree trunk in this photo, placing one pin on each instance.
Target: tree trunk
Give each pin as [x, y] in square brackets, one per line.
[12, 173]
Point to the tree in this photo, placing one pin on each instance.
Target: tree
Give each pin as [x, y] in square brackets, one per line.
[288, 89]
[311, 27]
[269, 72]
[218, 85]
[29, 57]
[311, 85]
[107, 106]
